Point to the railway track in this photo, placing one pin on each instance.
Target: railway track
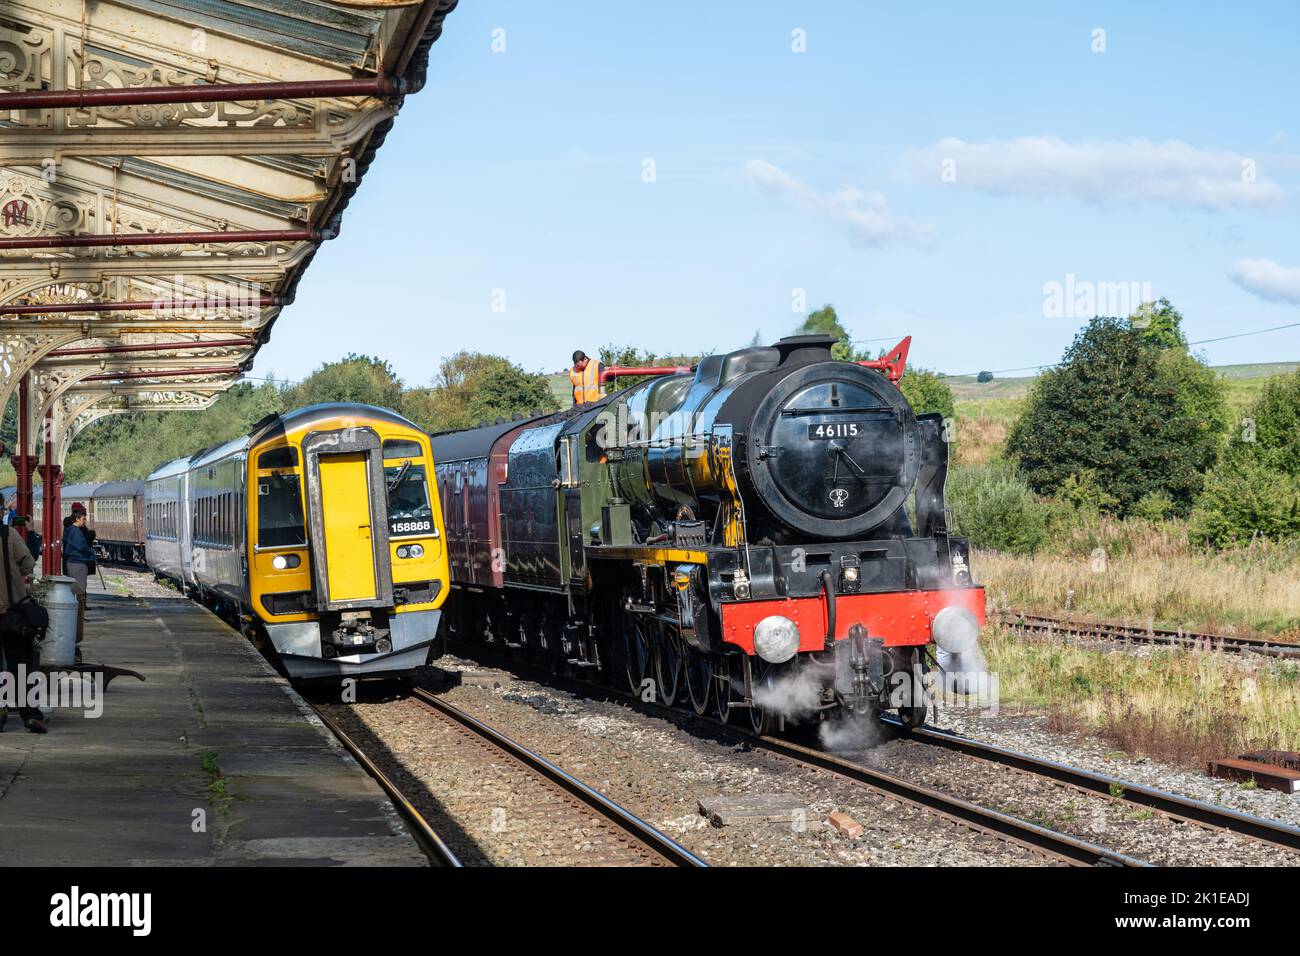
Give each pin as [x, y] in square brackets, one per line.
[1183, 808]
[635, 839]
[434, 847]
[1059, 846]
[1040, 624]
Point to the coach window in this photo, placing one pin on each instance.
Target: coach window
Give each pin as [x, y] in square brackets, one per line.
[279, 501]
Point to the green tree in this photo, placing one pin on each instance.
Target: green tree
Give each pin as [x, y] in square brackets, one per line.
[1114, 412]
[508, 392]
[354, 378]
[474, 388]
[1160, 324]
[1255, 487]
[131, 446]
[926, 392]
[825, 321]
[629, 356]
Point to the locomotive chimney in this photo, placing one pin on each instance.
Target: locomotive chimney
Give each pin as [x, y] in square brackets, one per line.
[803, 349]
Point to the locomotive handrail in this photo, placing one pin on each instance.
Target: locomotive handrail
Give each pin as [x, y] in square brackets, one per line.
[828, 586]
[616, 371]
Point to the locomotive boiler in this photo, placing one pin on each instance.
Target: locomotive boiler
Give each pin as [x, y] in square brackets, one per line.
[765, 534]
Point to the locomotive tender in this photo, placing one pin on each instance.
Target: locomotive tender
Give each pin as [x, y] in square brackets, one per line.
[765, 534]
[317, 532]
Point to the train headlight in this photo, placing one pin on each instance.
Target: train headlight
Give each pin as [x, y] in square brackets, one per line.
[415, 551]
[955, 630]
[282, 562]
[403, 552]
[776, 639]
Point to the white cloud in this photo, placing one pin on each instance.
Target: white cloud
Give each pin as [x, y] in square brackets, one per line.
[865, 215]
[1268, 280]
[1171, 173]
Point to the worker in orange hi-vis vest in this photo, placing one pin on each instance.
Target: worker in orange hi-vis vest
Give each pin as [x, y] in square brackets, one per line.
[585, 376]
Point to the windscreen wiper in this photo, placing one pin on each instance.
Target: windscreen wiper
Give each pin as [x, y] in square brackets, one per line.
[399, 477]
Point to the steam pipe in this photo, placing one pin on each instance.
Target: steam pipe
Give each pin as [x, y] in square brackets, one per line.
[161, 238]
[381, 86]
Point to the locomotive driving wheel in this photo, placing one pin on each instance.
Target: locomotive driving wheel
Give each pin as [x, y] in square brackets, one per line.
[668, 663]
[913, 705]
[636, 650]
[726, 678]
[699, 679]
[759, 674]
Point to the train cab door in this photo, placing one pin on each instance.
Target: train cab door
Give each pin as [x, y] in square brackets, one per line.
[571, 508]
[348, 516]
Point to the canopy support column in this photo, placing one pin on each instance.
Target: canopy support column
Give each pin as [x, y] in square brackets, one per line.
[25, 461]
[52, 519]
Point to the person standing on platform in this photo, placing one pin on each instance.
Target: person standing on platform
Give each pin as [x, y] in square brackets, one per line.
[35, 543]
[79, 559]
[585, 378]
[18, 646]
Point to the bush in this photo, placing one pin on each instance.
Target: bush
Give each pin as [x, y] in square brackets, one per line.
[1154, 506]
[1244, 500]
[993, 506]
[1255, 490]
[926, 392]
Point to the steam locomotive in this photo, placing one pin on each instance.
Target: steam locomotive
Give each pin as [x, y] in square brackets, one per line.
[765, 534]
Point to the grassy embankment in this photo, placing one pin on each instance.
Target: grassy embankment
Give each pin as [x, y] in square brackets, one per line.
[1175, 705]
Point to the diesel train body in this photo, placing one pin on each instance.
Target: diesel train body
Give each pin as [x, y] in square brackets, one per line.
[319, 532]
[773, 520]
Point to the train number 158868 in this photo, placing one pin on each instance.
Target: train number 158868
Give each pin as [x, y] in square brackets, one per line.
[410, 527]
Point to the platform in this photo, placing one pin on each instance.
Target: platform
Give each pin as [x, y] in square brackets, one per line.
[212, 761]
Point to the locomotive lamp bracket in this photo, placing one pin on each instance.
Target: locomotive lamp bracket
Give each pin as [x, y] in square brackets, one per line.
[850, 574]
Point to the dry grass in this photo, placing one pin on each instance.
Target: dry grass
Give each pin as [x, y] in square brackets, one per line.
[1173, 705]
[982, 428]
[1145, 572]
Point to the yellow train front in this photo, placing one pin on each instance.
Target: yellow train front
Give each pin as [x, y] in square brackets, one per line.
[319, 532]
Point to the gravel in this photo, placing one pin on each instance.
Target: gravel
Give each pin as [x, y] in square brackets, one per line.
[1028, 734]
[661, 771]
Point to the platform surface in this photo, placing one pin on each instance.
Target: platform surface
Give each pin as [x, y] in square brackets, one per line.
[212, 761]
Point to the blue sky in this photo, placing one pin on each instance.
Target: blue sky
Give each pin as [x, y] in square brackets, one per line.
[1171, 160]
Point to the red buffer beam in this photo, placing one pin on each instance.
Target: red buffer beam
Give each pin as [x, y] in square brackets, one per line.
[381, 86]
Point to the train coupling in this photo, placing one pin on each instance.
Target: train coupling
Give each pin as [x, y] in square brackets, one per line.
[356, 633]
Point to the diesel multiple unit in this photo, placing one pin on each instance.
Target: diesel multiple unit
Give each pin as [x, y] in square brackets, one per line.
[319, 532]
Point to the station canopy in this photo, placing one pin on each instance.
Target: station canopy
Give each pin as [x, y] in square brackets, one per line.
[167, 171]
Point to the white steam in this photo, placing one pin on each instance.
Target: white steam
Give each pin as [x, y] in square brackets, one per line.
[793, 696]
